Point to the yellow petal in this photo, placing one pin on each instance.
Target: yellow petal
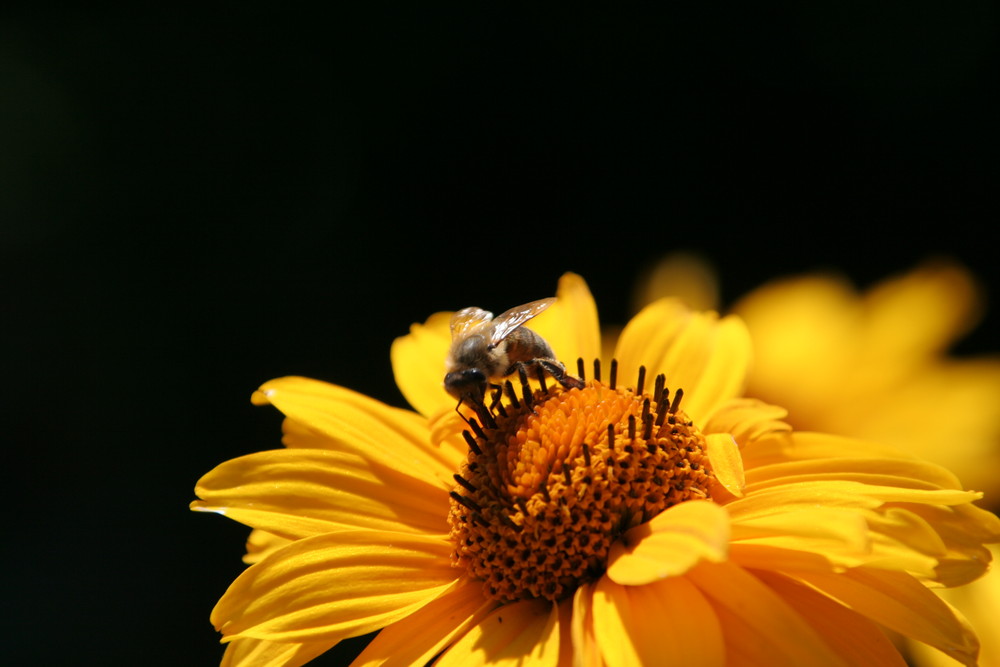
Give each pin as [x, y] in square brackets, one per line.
[706, 357]
[964, 438]
[832, 493]
[586, 651]
[854, 638]
[295, 493]
[804, 337]
[570, 325]
[727, 464]
[747, 420]
[943, 297]
[416, 639]
[979, 602]
[809, 528]
[418, 364]
[397, 439]
[260, 544]
[335, 585]
[684, 275]
[670, 544]
[900, 603]
[665, 622]
[965, 529]
[522, 633]
[818, 455]
[758, 625]
[249, 652]
[807, 445]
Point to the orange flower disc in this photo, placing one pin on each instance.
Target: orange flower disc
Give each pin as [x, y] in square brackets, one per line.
[558, 475]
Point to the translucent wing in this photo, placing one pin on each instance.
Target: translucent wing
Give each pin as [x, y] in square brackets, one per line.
[468, 320]
[507, 321]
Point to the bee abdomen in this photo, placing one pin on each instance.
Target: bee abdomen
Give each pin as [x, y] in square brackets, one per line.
[523, 344]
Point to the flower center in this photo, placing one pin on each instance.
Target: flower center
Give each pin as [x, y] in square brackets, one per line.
[555, 476]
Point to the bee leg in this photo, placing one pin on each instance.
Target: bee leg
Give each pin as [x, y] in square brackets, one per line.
[558, 373]
[550, 366]
[497, 395]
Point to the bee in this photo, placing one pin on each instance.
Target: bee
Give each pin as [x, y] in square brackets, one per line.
[486, 349]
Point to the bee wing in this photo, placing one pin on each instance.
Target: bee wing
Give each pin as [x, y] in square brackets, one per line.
[468, 320]
[509, 320]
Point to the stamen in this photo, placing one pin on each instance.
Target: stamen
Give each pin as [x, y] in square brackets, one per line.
[464, 483]
[647, 426]
[597, 370]
[507, 521]
[611, 437]
[631, 428]
[678, 395]
[612, 381]
[580, 369]
[661, 411]
[567, 475]
[586, 454]
[465, 502]
[641, 381]
[471, 442]
[661, 380]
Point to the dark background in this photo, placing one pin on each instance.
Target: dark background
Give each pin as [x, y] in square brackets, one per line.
[191, 204]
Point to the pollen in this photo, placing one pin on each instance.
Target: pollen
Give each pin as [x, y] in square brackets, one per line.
[554, 476]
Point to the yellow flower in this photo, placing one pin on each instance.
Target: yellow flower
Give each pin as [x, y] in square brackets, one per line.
[874, 365]
[652, 517]
[883, 355]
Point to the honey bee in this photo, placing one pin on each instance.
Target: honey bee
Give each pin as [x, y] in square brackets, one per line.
[486, 349]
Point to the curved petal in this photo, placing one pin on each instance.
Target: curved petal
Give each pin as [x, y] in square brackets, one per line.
[671, 543]
[856, 639]
[747, 420]
[945, 296]
[295, 493]
[260, 544]
[758, 625]
[900, 603]
[394, 438]
[727, 464]
[586, 650]
[819, 455]
[803, 333]
[249, 652]
[706, 357]
[521, 633]
[832, 493]
[684, 275]
[416, 639]
[665, 622]
[570, 325]
[333, 586]
[418, 360]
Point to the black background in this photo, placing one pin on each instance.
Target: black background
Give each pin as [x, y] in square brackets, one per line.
[193, 203]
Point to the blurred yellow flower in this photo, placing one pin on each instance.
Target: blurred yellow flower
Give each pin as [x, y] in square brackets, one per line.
[875, 365]
[654, 516]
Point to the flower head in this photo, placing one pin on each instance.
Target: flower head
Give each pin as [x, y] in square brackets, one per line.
[651, 515]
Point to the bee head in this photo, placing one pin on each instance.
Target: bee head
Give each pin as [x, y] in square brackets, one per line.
[466, 383]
